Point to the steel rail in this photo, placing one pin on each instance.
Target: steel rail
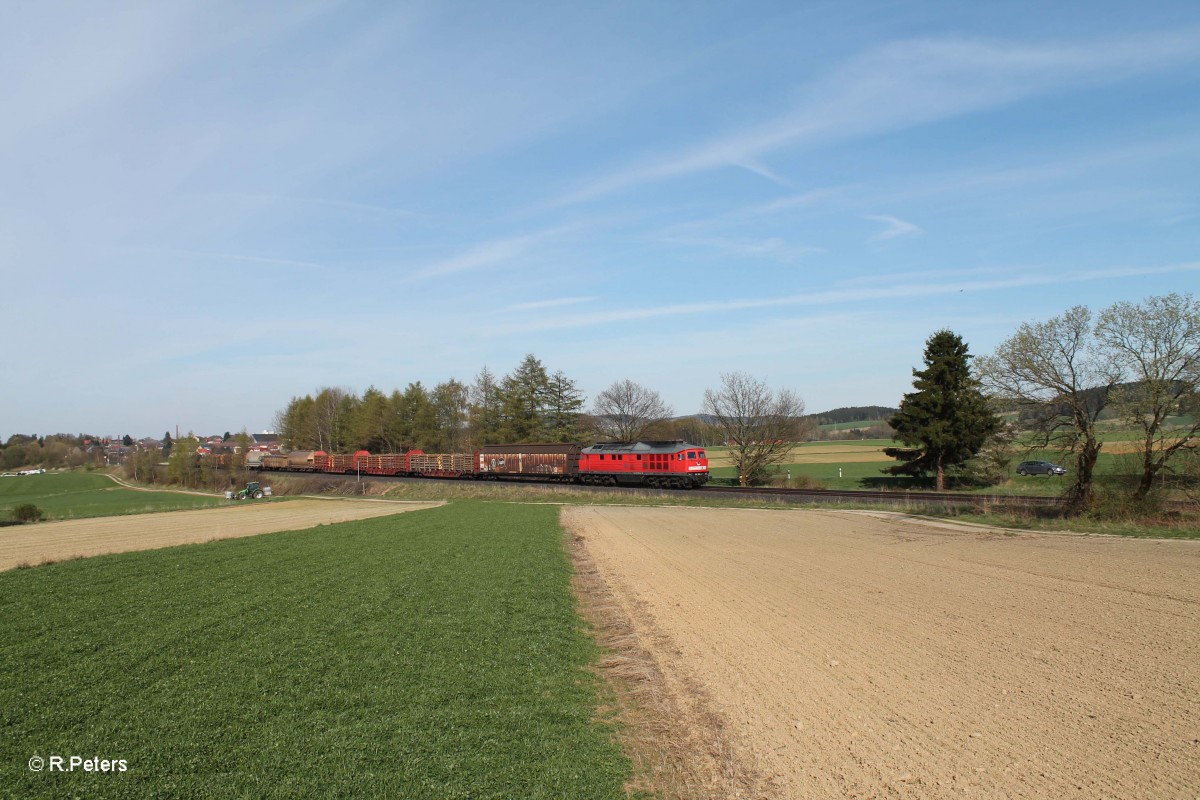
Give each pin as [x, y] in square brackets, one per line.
[816, 496]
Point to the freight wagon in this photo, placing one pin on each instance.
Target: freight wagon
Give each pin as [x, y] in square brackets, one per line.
[335, 463]
[382, 464]
[295, 461]
[440, 465]
[664, 464]
[558, 462]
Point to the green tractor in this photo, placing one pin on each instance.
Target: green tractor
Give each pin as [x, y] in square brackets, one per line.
[252, 490]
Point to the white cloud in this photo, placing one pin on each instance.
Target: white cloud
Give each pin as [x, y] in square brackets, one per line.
[561, 301]
[774, 248]
[850, 295]
[281, 262]
[780, 205]
[909, 83]
[322, 203]
[955, 275]
[492, 252]
[895, 228]
[760, 169]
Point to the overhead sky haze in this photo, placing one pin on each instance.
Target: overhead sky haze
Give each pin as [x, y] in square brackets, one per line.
[209, 208]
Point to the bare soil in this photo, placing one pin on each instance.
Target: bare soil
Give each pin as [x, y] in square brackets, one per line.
[57, 541]
[825, 654]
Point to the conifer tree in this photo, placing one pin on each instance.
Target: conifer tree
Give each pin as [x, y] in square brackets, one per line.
[564, 402]
[524, 392]
[947, 419]
[416, 419]
[368, 422]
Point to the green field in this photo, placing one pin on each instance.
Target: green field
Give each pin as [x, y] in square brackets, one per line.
[869, 475]
[434, 654]
[71, 495]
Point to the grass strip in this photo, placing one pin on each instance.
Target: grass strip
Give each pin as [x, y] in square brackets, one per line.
[1178, 526]
[435, 654]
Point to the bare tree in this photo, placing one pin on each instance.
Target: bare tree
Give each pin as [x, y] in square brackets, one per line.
[626, 409]
[759, 424]
[296, 425]
[450, 405]
[331, 412]
[1057, 367]
[484, 410]
[694, 429]
[1157, 345]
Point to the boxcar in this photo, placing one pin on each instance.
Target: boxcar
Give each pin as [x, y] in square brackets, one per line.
[553, 461]
[274, 461]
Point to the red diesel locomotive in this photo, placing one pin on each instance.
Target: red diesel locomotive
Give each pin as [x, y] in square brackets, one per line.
[666, 465]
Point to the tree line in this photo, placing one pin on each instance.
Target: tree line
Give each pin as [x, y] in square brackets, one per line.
[53, 451]
[528, 404]
[853, 414]
[1138, 363]
[531, 404]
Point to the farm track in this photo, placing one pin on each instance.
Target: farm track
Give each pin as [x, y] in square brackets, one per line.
[837, 496]
[906, 498]
[79, 538]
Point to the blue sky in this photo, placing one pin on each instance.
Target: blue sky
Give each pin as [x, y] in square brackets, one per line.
[207, 208]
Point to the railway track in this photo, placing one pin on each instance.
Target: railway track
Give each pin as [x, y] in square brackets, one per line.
[798, 496]
[902, 499]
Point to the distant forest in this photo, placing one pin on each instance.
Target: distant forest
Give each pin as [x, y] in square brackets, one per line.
[853, 414]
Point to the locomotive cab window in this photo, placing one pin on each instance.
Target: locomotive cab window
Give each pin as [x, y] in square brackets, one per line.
[691, 454]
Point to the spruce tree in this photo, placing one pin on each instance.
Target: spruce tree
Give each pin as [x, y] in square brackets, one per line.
[564, 401]
[947, 419]
[523, 402]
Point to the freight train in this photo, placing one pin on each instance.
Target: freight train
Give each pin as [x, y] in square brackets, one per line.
[664, 465]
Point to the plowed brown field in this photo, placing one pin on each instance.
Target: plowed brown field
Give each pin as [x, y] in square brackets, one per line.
[838, 654]
[36, 544]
